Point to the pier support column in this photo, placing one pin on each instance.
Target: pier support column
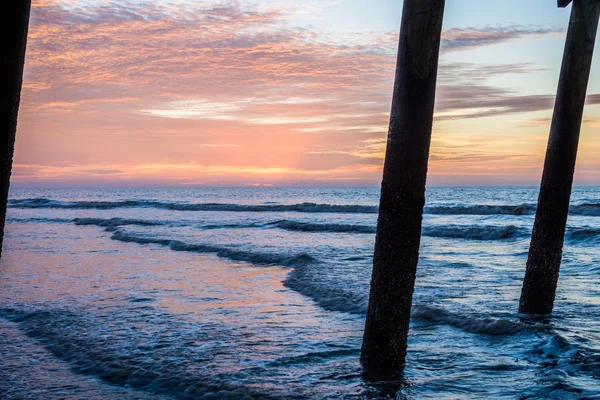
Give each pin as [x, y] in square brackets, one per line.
[403, 190]
[14, 24]
[545, 251]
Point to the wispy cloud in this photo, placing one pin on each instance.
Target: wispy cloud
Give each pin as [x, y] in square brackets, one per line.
[111, 85]
[457, 39]
[466, 92]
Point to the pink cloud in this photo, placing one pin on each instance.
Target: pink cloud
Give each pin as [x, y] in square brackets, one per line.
[115, 85]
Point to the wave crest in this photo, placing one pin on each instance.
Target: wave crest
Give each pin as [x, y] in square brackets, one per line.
[471, 324]
[109, 205]
[112, 224]
[482, 209]
[256, 258]
[298, 226]
[475, 232]
[583, 235]
[589, 209]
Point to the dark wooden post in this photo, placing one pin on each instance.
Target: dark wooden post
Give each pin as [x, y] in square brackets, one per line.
[403, 190]
[14, 24]
[545, 251]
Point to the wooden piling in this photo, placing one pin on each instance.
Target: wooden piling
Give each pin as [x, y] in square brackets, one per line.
[545, 251]
[403, 190]
[14, 24]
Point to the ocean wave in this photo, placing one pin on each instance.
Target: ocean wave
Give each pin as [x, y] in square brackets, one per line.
[468, 232]
[443, 231]
[471, 324]
[482, 209]
[39, 220]
[112, 224]
[231, 226]
[109, 205]
[76, 205]
[590, 363]
[302, 280]
[298, 226]
[583, 235]
[256, 258]
[588, 209]
[486, 232]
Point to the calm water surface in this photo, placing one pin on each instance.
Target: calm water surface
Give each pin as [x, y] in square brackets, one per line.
[262, 292]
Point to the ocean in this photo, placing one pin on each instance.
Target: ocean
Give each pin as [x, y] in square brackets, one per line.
[234, 293]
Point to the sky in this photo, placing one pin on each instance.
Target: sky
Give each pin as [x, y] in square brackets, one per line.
[288, 93]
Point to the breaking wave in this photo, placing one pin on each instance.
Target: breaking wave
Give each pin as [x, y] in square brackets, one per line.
[467, 232]
[40, 220]
[302, 280]
[297, 226]
[583, 235]
[475, 232]
[112, 224]
[256, 258]
[109, 205]
[448, 231]
[471, 324]
[486, 232]
[482, 209]
[589, 209]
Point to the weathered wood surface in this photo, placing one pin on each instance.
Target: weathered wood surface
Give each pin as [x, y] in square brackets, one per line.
[14, 24]
[545, 251]
[403, 190]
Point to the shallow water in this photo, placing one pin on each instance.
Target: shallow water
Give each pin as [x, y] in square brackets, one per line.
[261, 293]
